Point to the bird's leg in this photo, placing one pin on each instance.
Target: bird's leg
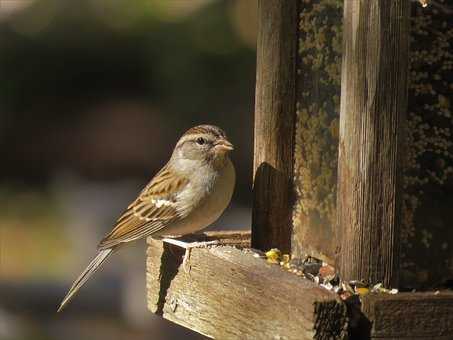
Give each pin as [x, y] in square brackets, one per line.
[188, 246]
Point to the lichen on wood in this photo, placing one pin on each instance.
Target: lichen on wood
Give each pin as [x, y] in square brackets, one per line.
[316, 137]
[427, 236]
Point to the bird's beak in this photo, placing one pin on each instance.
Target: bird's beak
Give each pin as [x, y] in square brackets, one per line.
[223, 146]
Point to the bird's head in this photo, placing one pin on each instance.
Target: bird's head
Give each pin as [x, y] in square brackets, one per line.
[207, 144]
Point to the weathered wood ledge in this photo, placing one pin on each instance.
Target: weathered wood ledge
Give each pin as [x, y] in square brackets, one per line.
[405, 316]
[225, 292]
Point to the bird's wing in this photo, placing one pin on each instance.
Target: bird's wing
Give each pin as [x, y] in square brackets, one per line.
[153, 209]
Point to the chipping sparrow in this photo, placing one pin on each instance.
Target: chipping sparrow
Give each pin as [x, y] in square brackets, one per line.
[189, 193]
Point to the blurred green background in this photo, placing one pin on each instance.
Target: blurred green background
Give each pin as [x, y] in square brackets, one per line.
[93, 96]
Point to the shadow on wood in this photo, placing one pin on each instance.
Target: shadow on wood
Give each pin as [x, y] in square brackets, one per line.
[171, 259]
[272, 209]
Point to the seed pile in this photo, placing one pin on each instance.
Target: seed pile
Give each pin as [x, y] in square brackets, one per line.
[323, 274]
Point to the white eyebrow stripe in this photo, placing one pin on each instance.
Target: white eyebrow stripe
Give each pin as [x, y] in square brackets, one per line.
[192, 137]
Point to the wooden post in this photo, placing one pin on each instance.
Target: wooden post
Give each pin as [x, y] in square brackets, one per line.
[372, 117]
[275, 110]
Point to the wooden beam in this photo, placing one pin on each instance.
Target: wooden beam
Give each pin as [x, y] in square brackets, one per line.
[372, 118]
[408, 316]
[275, 111]
[227, 293]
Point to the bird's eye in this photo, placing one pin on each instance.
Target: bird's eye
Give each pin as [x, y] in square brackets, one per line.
[201, 141]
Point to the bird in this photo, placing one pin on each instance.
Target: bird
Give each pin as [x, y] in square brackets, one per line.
[188, 194]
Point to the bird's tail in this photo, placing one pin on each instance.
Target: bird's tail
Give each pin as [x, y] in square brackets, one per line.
[92, 267]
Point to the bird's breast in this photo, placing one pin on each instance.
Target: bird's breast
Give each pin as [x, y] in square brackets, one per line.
[204, 201]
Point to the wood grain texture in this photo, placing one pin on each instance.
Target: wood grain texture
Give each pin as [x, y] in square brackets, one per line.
[372, 118]
[275, 111]
[227, 293]
[410, 315]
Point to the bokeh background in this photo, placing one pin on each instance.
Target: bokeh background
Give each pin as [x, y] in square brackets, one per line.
[93, 96]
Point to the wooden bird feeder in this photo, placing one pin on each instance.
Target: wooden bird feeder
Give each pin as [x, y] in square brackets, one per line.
[342, 183]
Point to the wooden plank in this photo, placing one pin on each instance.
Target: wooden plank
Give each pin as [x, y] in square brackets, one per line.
[275, 111]
[372, 118]
[227, 293]
[410, 315]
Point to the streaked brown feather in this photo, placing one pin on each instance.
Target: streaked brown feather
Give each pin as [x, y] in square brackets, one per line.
[143, 217]
[205, 129]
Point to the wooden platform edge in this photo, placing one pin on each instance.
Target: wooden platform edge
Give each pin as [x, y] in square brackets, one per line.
[407, 316]
[225, 292]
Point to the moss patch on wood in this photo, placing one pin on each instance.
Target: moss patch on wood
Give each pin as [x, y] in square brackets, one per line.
[427, 233]
[316, 138]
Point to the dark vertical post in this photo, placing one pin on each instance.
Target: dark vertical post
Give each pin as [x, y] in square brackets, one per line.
[372, 118]
[275, 111]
